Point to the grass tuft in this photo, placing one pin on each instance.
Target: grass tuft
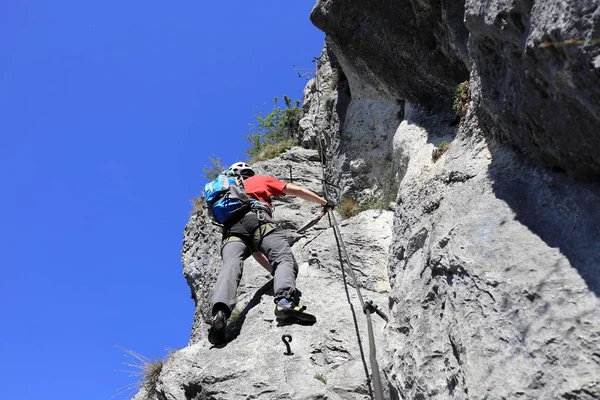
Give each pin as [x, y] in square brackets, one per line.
[321, 378]
[380, 204]
[272, 150]
[152, 370]
[437, 152]
[147, 370]
[348, 208]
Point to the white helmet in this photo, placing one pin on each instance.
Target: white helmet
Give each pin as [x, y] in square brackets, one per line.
[242, 169]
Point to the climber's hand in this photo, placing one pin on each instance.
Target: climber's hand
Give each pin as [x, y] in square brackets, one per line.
[330, 205]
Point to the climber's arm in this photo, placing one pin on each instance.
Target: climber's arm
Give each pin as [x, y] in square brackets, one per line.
[262, 260]
[304, 194]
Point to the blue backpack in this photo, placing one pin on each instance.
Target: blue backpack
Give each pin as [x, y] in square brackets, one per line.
[226, 198]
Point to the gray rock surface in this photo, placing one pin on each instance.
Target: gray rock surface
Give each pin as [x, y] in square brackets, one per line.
[406, 49]
[359, 131]
[494, 260]
[201, 258]
[367, 238]
[253, 364]
[545, 100]
[534, 63]
[494, 274]
[325, 100]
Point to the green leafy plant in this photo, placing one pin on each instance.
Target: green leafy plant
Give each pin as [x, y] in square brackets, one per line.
[321, 378]
[275, 132]
[462, 95]
[441, 149]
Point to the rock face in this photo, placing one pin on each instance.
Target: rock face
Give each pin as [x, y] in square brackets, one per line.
[407, 49]
[543, 97]
[485, 255]
[494, 271]
[540, 88]
[495, 260]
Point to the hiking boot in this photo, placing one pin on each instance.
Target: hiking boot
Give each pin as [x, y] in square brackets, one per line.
[286, 309]
[216, 333]
[296, 296]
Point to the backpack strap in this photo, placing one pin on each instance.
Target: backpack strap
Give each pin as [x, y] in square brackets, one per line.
[260, 206]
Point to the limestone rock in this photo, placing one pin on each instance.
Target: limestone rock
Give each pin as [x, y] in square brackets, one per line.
[532, 65]
[408, 49]
[492, 295]
[540, 89]
[359, 166]
[367, 239]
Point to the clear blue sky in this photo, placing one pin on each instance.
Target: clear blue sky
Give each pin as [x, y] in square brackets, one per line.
[108, 112]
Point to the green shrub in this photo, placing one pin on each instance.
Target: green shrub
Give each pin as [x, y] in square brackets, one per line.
[374, 205]
[321, 378]
[348, 207]
[441, 149]
[281, 125]
[461, 98]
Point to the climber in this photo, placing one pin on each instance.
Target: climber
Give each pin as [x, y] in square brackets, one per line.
[254, 233]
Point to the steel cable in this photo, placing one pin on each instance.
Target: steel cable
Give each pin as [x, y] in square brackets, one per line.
[367, 307]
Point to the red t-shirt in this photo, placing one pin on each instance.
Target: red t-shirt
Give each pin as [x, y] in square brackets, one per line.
[263, 187]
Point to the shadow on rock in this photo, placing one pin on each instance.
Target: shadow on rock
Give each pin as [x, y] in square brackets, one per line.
[292, 321]
[564, 213]
[235, 327]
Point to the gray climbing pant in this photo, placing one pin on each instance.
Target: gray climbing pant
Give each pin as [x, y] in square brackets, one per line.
[271, 241]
